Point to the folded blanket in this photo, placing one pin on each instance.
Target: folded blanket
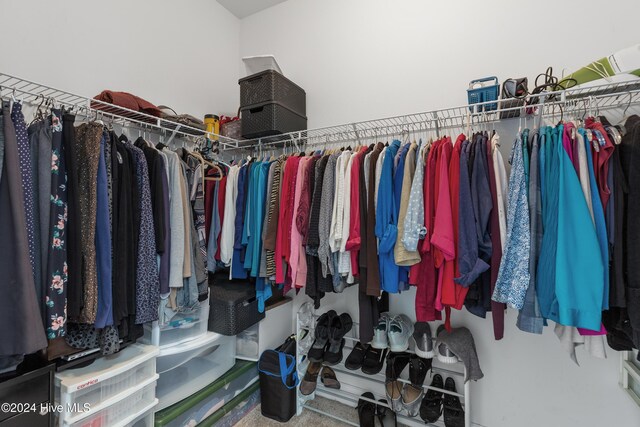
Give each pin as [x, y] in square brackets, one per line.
[125, 100]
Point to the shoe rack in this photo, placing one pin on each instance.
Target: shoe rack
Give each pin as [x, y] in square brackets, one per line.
[355, 382]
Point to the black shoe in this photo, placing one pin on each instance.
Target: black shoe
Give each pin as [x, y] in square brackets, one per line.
[316, 352]
[412, 393]
[333, 352]
[431, 406]
[396, 362]
[386, 416]
[340, 326]
[356, 357]
[373, 360]
[367, 410]
[418, 368]
[453, 412]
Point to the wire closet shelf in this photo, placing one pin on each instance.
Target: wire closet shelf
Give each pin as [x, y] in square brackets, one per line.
[35, 93]
[580, 100]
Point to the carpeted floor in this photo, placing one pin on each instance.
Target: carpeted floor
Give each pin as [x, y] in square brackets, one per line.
[308, 418]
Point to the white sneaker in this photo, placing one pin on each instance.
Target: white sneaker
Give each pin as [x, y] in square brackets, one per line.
[380, 332]
[400, 329]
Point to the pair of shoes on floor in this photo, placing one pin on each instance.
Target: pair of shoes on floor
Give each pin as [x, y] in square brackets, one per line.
[310, 379]
[407, 395]
[363, 356]
[368, 411]
[436, 402]
[329, 338]
[392, 332]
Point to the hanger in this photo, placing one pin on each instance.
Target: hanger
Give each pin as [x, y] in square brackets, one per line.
[624, 113]
[202, 163]
[39, 115]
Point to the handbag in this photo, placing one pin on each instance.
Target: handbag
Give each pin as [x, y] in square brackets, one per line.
[279, 381]
[513, 95]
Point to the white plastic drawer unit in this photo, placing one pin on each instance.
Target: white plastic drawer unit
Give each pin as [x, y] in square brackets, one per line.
[85, 390]
[132, 405]
[187, 368]
[182, 328]
[269, 333]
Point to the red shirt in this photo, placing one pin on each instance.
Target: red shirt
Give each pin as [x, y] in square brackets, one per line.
[453, 294]
[283, 243]
[355, 239]
[425, 273]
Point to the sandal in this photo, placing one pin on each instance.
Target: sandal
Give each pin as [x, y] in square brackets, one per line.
[373, 360]
[328, 378]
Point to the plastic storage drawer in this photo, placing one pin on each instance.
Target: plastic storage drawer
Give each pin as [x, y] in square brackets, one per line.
[270, 118]
[105, 379]
[270, 332]
[234, 306]
[182, 328]
[199, 406]
[188, 368]
[271, 86]
[145, 420]
[123, 411]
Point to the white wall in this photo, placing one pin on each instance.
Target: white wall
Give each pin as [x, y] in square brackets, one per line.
[364, 59]
[183, 57]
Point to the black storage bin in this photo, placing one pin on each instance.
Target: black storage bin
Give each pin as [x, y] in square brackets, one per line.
[270, 118]
[233, 305]
[271, 86]
[278, 382]
[34, 388]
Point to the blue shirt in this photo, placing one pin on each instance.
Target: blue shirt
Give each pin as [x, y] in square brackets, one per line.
[386, 228]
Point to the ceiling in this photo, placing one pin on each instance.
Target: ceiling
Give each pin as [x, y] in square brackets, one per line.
[244, 8]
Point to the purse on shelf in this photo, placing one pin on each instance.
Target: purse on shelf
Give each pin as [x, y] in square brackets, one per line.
[513, 94]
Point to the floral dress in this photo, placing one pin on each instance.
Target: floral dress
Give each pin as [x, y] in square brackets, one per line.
[56, 295]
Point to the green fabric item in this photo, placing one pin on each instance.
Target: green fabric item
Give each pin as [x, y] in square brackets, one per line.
[584, 75]
[217, 416]
[167, 415]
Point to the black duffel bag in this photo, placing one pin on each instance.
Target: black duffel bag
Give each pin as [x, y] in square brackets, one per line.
[278, 381]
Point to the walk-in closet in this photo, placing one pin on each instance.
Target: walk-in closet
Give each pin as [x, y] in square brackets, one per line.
[333, 213]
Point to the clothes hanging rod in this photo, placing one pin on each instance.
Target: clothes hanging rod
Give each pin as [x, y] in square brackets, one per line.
[32, 92]
[599, 97]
